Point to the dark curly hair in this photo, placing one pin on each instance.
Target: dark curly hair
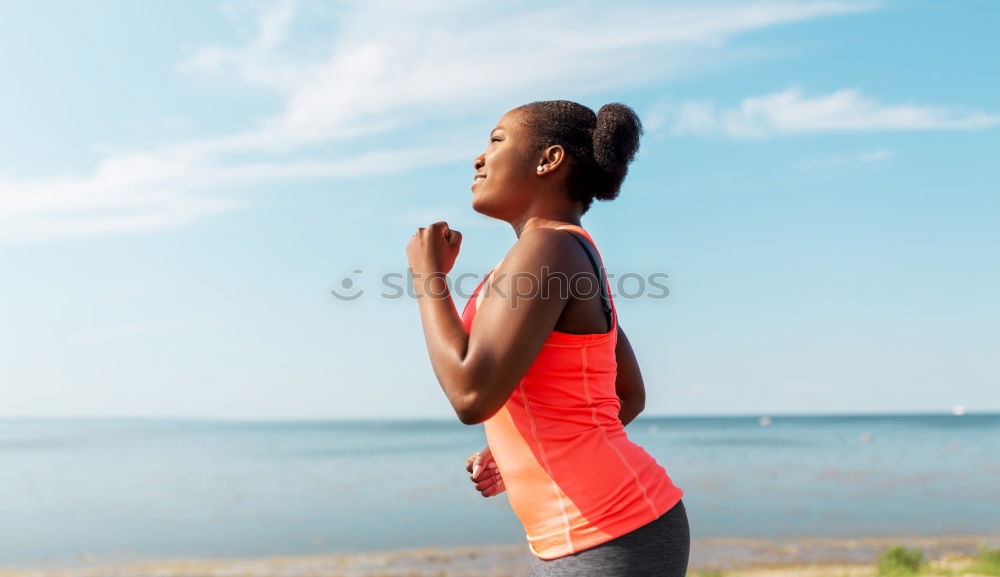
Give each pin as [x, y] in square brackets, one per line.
[601, 145]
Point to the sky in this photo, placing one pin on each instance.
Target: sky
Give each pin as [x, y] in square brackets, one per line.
[184, 184]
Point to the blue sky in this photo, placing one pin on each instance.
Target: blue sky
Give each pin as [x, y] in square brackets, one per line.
[183, 183]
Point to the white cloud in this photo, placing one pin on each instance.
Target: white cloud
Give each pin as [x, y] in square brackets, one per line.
[790, 112]
[386, 66]
[165, 189]
[868, 157]
[875, 156]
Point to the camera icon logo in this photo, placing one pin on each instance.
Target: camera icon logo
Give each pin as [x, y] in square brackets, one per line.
[347, 291]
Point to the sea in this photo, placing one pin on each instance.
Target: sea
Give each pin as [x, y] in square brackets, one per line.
[76, 490]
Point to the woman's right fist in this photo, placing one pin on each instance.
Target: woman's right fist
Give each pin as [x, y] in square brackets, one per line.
[484, 473]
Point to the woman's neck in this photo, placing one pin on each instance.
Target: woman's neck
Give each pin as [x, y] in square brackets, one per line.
[549, 220]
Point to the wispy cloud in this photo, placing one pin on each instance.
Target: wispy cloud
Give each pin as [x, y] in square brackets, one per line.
[790, 112]
[874, 156]
[169, 189]
[389, 66]
[869, 157]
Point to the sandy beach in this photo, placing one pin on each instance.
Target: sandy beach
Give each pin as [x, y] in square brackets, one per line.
[802, 557]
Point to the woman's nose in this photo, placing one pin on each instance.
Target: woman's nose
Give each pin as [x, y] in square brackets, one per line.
[479, 161]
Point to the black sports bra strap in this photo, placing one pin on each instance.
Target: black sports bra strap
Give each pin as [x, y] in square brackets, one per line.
[591, 254]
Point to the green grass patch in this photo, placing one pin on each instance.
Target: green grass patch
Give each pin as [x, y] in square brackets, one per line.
[987, 562]
[899, 561]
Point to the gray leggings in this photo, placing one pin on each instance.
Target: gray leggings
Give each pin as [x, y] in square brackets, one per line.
[659, 548]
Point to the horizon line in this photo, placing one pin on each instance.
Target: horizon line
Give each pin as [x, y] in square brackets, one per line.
[916, 413]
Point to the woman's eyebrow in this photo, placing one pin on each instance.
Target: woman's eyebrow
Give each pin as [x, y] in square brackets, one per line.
[496, 129]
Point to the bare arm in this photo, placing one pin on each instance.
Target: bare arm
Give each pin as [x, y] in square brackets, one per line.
[479, 370]
[629, 386]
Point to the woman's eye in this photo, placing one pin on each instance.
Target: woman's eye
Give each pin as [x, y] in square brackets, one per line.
[494, 140]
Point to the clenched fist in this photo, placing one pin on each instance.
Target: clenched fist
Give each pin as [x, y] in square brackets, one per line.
[433, 249]
[484, 473]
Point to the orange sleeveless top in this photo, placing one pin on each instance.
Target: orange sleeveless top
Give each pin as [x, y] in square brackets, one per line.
[573, 477]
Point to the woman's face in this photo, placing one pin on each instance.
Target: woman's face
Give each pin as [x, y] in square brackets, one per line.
[507, 188]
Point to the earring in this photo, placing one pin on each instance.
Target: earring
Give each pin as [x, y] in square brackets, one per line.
[541, 168]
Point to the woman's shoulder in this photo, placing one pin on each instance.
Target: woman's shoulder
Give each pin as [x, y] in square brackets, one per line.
[554, 249]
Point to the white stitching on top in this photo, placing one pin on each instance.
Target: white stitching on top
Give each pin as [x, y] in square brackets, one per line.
[548, 470]
[593, 417]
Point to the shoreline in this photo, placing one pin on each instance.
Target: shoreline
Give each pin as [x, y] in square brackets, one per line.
[803, 556]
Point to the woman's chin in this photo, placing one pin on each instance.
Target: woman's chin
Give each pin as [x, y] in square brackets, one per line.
[478, 205]
[483, 206]
[487, 206]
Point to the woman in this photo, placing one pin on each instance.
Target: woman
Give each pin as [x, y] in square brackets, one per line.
[543, 363]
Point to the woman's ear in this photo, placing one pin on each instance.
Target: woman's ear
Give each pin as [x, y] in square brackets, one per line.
[552, 159]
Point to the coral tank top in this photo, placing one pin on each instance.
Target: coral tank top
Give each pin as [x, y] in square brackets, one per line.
[573, 477]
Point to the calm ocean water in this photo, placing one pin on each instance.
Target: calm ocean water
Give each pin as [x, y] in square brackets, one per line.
[127, 489]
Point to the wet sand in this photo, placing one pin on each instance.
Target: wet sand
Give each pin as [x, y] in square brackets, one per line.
[802, 557]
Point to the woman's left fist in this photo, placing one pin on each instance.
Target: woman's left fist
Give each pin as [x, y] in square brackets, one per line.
[434, 249]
